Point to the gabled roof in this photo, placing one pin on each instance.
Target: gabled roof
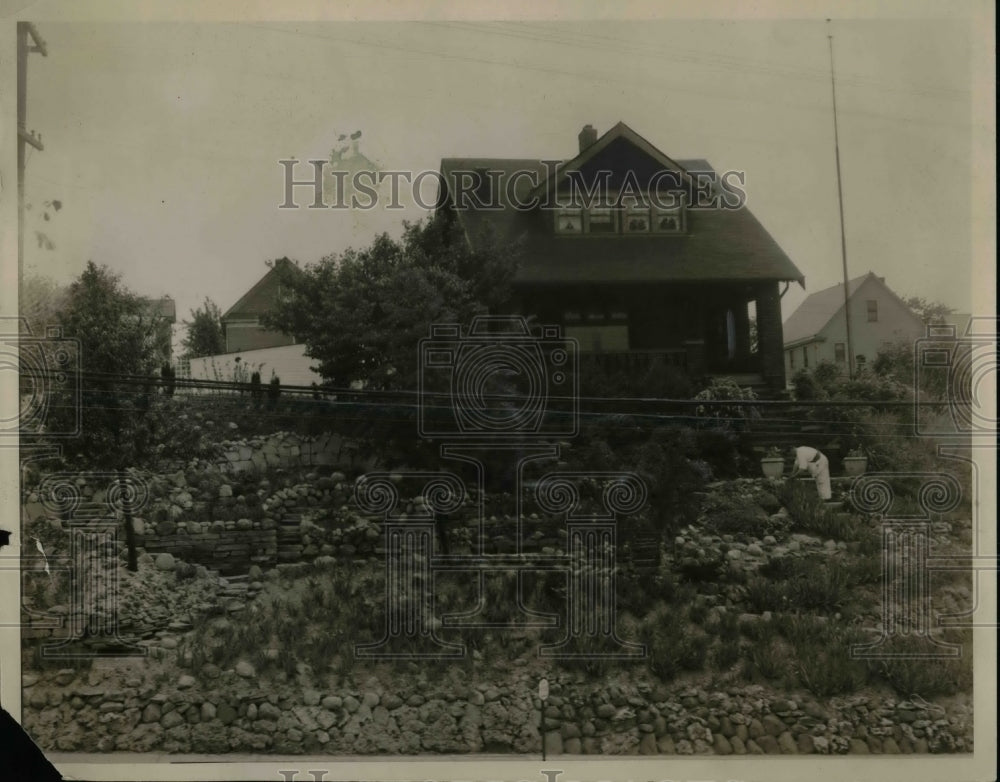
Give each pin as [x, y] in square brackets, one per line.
[819, 308]
[261, 297]
[720, 244]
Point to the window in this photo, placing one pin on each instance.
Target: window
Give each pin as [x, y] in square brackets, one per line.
[601, 220]
[839, 353]
[637, 219]
[860, 361]
[569, 221]
[872, 311]
[668, 221]
[805, 357]
[791, 359]
[631, 216]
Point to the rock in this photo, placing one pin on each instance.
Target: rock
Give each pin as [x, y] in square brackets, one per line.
[874, 745]
[721, 745]
[647, 745]
[772, 725]
[226, 714]
[553, 743]
[245, 669]
[572, 747]
[225, 490]
[858, 747]
[769, 744]
[151, 713]
[267, 711]
[185, 681]
[252, 712]
[332, 702]
[165, 562]
[311, 698]
[171, 720]
[889, 746]
[606, 711]
[753, 748]
[208, 711]
[756, 729]
[804, 744]
[787, 744]
[666, 745]
[920, 746]
[738, 747]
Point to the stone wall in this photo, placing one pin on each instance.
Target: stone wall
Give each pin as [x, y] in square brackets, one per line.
[69, 711]
[288, 450]
[232, 550]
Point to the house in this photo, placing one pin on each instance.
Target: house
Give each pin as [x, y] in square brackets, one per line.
[634, 254]
[241, 322]
[252, 347]
[163, 312]
[817, 330]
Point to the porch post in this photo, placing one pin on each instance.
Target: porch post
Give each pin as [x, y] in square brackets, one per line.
[769, 335]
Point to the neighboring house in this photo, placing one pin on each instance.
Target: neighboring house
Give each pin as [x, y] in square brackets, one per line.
[630, 280]
[241, 322]
[164, 311]
[817, 330]
[251, 347]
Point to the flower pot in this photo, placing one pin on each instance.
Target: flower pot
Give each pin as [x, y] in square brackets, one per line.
[772, 466]
[855, 465]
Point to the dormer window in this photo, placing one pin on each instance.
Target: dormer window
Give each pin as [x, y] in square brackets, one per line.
[601, 220]
[569, 221]
[637, 219]
[668, 221]
[630, 217]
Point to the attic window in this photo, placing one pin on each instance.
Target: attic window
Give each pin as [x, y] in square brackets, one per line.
[569, 221]
[600, 220]
[872, 305]
[668, 221]
[637, 219]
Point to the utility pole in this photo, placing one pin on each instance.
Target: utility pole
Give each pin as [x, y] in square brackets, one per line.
[840, 200]
[25, 30]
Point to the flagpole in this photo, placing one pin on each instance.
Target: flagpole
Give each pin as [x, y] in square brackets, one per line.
[840, 201]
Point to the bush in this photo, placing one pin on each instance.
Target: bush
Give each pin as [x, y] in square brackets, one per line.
[672, 645]
[929, 676]
[823, 661]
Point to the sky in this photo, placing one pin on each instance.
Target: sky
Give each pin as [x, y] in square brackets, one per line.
[162, 139]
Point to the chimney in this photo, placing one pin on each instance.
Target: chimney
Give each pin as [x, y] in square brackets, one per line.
[588, 137]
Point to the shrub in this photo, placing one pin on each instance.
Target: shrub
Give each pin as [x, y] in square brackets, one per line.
[929, 676]
[768, 659]
[762, 594]
[672, 645]
[820, 589]
[823, 661]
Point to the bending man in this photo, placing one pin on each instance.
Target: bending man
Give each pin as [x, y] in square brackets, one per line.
[815, 463]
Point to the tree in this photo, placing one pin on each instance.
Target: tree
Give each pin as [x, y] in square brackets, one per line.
[362, 314]
[928, 311]
[205, 335]
[117, 340]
